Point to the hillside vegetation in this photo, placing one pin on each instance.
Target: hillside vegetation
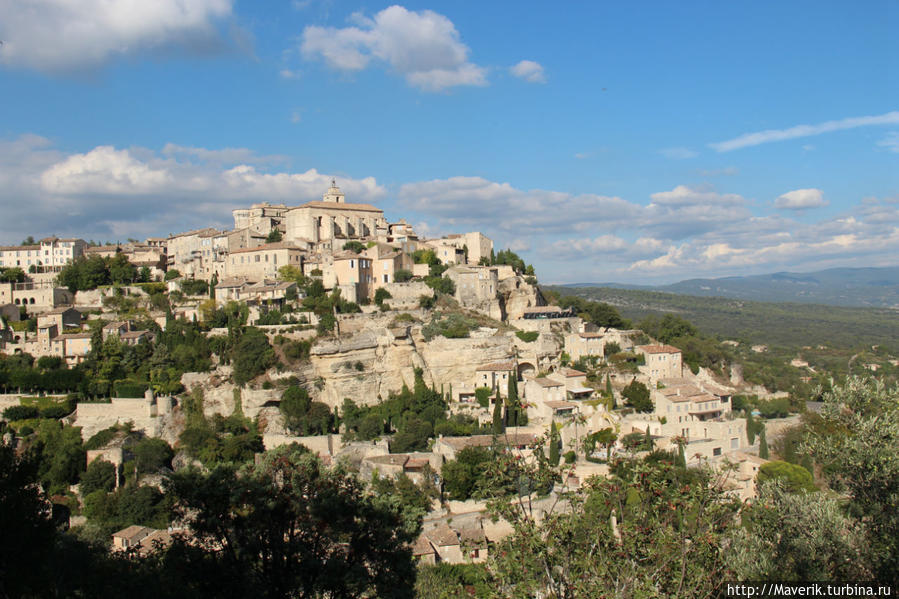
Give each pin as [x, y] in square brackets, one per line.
[786, 324]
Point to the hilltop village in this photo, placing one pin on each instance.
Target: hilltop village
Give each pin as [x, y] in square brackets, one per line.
[328, 326]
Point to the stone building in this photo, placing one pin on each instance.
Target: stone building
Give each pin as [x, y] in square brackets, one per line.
[48, 255]
[333, 218]
[263, 262]
[662, 361]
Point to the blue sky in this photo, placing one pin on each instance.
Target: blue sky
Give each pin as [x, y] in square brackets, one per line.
[633, 142]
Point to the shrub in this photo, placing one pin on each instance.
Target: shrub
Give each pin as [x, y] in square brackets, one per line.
[381, 294]
[570, 457]
[20, 413]
[402, 275]
[441, 284]
[527, 336]
[482, 395]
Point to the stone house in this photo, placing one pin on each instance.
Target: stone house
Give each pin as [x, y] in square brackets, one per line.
[496, 375]
[386, 260]
[262, 262]
[662, 361]
[575, 383]
[48, 255]
[449, 447]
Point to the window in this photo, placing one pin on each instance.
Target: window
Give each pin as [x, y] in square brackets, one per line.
[352, 264]
[735, 443]
[716, 451]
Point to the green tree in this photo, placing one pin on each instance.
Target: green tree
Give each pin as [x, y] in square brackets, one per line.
[252, 356]
[637, 396]
[857, 446]
[498, 427]
[793, 537]
[461, 476]
[292, 528]
[795, 478]
[763, 445]
[553, 444]
[648, 530]
[750, 427]
[402, 275]
[100, 475]
[274, 236]
[28, 532]
[151, 455]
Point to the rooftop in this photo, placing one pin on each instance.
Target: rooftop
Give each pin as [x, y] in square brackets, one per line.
[658, 349]
[497, 367]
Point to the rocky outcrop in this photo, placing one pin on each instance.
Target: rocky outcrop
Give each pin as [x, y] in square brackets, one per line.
[516, 295]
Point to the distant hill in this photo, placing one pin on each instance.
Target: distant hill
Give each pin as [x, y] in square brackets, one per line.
[778, 323]
[856, 287]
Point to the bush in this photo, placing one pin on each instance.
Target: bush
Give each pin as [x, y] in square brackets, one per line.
[441, 284]
[637, 396]
[570, 457]
[194, 287]
[427, 302]
[402, 275]
[130, 389]
[482, 395]
[795, 478]
[527, 336]
[381, 294]
[100, 475]
[55, 412]
[20, 413]
[172, 274]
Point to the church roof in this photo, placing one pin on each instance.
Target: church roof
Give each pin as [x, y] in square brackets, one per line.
[341, 206]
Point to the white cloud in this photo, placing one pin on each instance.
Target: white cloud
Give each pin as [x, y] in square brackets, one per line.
[530, 71]
[771, 135]
[104, 170]
[890, 142]
[423, 46]
[289, 74]
[801, 199]
[60, 35]
[474, 200]
[106, 190]
[678, 153]
[683, 195]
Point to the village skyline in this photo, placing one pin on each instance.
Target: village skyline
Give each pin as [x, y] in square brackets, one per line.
[629, 144]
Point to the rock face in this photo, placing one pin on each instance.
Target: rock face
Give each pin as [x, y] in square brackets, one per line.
[516, 295]
[365, 367]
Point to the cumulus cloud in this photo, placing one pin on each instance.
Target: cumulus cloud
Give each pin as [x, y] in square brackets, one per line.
[113, 191]
[530, 71]
[423, 46]
[770, 135]
[475, 200]
[61, 35]
[801, 199]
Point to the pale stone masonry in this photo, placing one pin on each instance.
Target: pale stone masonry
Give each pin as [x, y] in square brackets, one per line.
[662, 361]
[48, 255]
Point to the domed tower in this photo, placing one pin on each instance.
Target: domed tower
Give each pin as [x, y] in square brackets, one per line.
[334, 194]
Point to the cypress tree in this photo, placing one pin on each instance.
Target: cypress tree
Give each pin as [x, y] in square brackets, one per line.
[553, 444]
[498, 427]
[750, 427]
[647, 441]
[681, 456]
[763, 444]
[512, 398]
